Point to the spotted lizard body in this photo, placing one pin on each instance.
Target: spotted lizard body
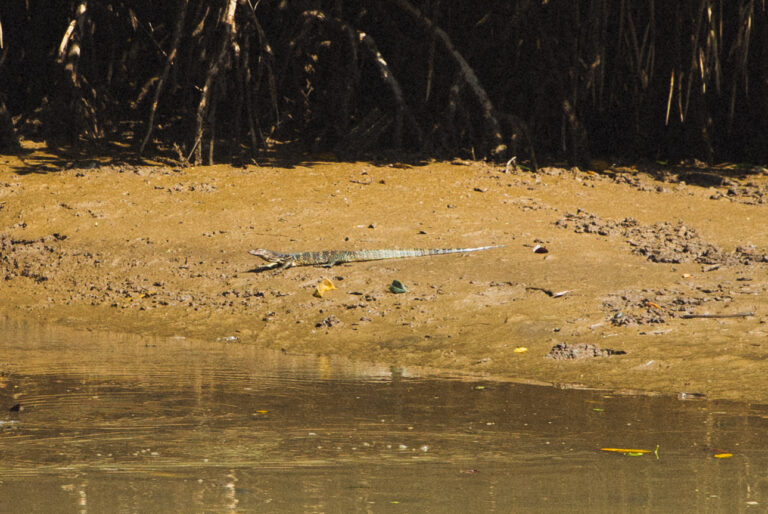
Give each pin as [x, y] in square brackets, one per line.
[330, 258]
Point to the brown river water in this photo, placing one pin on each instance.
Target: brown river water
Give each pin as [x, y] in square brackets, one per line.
[122, 423]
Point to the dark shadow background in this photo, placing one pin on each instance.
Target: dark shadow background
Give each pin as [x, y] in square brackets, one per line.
[566, 79]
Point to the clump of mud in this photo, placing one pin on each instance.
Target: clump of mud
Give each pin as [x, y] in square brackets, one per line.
[28, 258]
[654, 306]
[644, 307]
[565, 351]
[749, 194]
[661, 242]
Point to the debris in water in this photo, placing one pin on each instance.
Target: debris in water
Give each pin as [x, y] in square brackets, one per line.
[632, 452]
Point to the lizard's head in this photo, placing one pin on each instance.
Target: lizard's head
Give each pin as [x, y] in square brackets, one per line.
[267, 255]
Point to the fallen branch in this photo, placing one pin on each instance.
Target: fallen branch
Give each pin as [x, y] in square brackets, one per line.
[717, 316]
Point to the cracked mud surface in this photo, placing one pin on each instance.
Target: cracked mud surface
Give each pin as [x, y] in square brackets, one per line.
[670, 270]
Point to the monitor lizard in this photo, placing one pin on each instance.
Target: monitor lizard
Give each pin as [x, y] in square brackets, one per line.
[330, 258]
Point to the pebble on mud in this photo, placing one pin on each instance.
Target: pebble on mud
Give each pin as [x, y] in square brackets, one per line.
[330, 321]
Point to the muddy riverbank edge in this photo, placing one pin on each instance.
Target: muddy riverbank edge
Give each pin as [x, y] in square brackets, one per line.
[619, 279]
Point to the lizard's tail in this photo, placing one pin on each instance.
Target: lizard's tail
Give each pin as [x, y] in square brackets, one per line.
[419, 252]
[439, 251]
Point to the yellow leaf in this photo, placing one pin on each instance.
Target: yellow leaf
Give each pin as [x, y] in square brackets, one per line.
[723, 455]
[323, 287]
[625, 450]
[520, 349]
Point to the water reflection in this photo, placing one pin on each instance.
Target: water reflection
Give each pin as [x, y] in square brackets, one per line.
[132, 424]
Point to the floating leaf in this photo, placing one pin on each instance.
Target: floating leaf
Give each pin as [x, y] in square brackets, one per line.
[323, 287]
[397, 287]
[520, 349]
[723, 455]
[632, 452]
